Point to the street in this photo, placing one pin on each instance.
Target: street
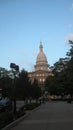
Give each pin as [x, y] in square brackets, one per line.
[49, 116]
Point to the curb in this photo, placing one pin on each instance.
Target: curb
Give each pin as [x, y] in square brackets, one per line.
[14, 123]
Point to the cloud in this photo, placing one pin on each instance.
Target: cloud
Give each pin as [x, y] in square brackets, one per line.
[71, 8]
[69, 37]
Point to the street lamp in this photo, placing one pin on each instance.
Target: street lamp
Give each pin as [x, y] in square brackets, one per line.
[14, 66]
[15, 70]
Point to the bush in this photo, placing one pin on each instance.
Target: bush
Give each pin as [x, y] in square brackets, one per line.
[20, 112]
[31, 106]
[5, 118]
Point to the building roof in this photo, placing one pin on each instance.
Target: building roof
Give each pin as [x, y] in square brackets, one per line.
[41, 60]
[41, 57]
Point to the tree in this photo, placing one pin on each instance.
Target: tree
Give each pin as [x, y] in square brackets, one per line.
[69, 70]
[60, 65]
[15, 71]
[23, 85]
[36, 90]
[5, 83]
[57, 83]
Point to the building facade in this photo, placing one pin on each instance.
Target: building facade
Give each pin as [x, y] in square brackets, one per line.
[42, 70]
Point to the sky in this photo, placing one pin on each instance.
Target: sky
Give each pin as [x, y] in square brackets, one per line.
[24, 23]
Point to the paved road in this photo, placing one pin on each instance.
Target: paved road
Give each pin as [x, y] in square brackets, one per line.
[50, 116]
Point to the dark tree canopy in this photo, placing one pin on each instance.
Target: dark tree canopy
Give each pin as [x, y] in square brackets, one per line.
[62, 82]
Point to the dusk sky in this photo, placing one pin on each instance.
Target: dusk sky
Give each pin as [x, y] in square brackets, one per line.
[24, 23]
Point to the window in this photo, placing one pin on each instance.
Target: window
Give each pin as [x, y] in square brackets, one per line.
[40, 80]
[43, 80]
[43, 74]
[41, 68]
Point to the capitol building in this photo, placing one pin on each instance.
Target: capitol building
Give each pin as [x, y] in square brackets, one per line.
[41, 68]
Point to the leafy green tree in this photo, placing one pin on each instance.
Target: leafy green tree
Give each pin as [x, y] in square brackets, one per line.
[23, 85]
[57, 83]
[62, 82]
[69, 70]
[5, 83]
[36, 90]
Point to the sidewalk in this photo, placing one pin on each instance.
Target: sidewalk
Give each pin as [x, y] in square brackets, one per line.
[49, 116]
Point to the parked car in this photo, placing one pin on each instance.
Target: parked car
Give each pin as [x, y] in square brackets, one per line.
[5, 104]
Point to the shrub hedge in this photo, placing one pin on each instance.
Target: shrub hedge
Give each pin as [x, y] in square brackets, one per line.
[5, 118]
[31, 106]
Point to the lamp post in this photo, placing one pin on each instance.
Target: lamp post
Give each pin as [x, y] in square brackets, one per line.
[15, 70]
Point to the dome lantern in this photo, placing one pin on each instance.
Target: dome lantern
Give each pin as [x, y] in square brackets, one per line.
[41, 46]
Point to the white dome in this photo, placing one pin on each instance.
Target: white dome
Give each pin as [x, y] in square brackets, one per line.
[41, 58]
[41, 61]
